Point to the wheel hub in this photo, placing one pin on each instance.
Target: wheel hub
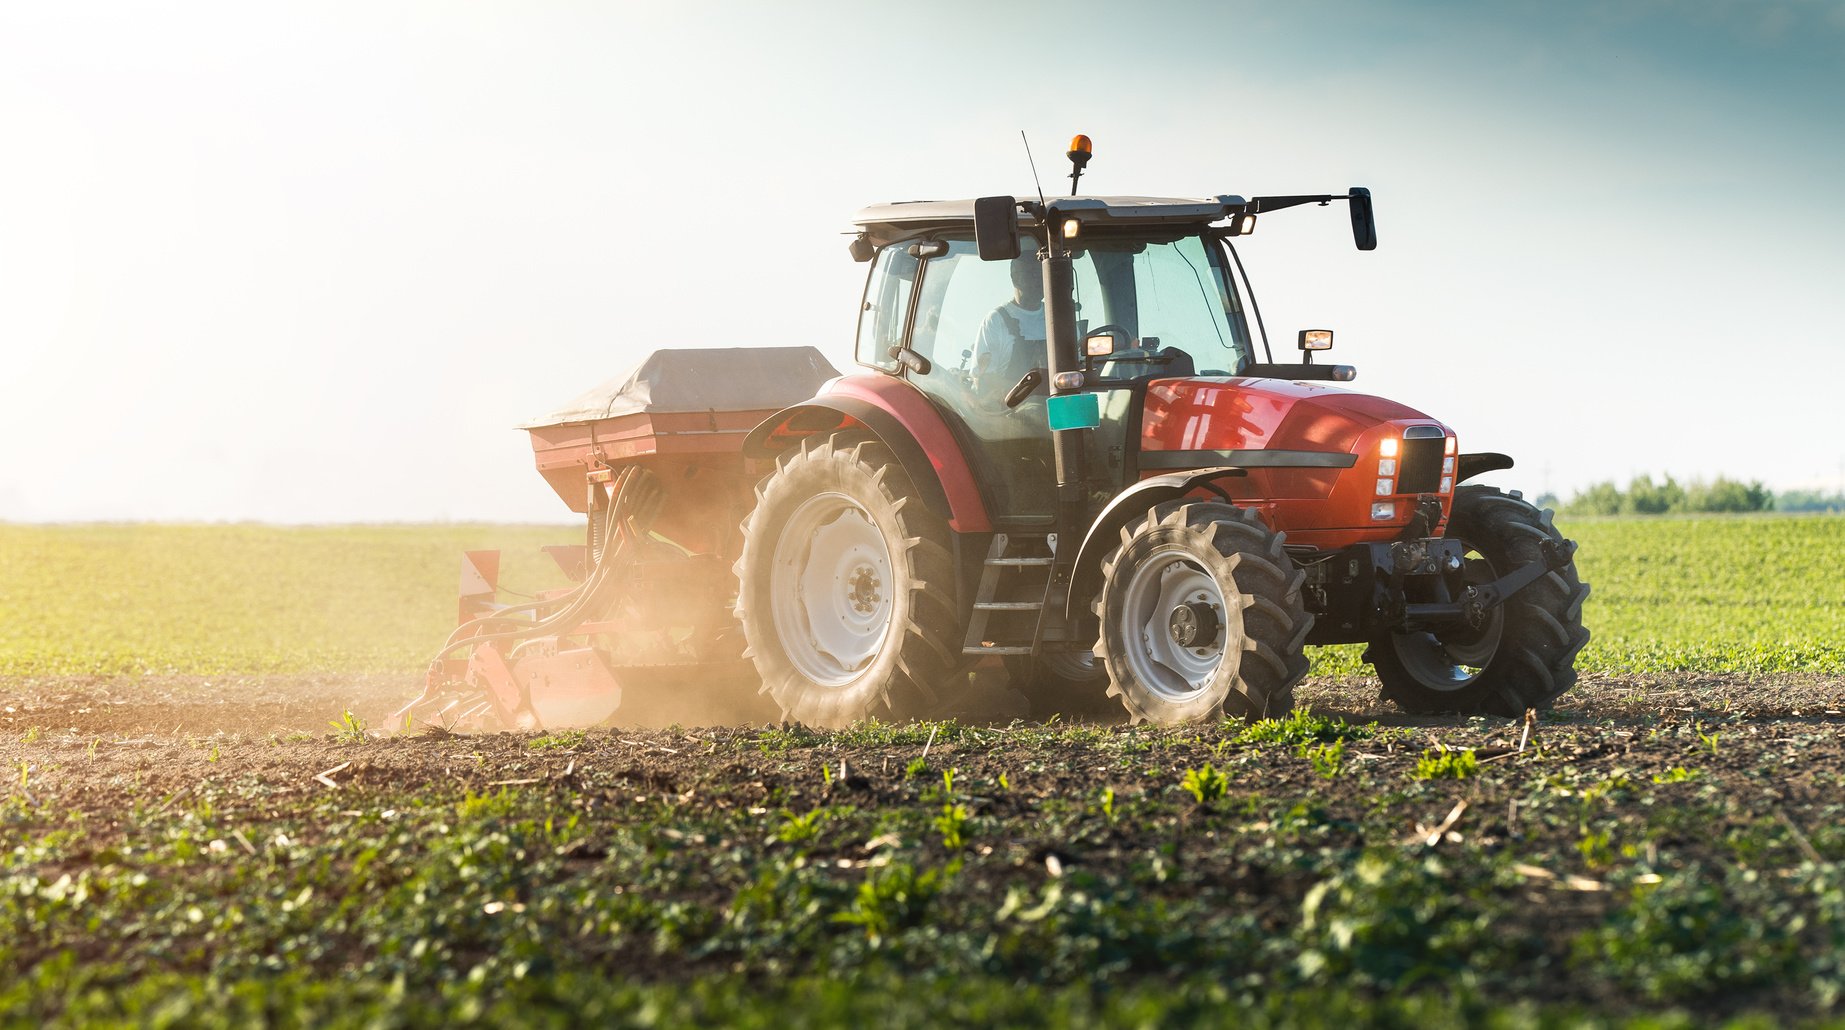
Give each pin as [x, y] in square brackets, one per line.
[1175, 613]
[1193, 624]
[862, 589]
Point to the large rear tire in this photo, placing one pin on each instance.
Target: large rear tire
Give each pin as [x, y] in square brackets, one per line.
[846, 586]
[1524, 655]
[1201, 613]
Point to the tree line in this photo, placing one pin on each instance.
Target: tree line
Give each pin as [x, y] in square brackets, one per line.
[1646, 496]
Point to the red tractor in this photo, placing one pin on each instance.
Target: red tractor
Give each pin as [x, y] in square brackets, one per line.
[1067, 448]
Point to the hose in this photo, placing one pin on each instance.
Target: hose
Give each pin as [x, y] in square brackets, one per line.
[617, 537]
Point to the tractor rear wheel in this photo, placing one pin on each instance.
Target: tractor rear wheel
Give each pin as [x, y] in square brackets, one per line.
[1201, 612]
[846, 586]
[1524, 654]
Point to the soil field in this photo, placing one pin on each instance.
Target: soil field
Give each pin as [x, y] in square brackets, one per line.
[203, 823]
[190, 851]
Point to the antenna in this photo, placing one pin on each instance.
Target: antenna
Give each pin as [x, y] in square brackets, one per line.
[1034, 166]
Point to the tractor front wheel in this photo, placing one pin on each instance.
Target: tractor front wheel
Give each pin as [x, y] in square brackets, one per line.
[845, 586]
[1201, 612]
[1523, 655]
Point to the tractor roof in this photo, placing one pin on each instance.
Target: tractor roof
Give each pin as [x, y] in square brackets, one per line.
[885, 223]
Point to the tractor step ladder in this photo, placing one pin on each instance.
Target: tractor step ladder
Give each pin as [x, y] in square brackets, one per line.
[1012, 581]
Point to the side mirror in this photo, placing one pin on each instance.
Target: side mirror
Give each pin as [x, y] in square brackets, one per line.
[1364, 224]
[996, 228]
[1315, 339]
[1101, 345]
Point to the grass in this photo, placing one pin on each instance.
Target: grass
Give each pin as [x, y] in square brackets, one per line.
[1754, 594]
[1751, 594]
[116, 600]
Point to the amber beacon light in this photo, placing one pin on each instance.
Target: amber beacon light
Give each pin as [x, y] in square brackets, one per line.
[1080, 149]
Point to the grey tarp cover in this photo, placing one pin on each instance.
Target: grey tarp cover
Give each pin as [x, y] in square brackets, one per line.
[718, 379]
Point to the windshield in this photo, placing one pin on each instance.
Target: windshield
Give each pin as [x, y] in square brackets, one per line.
[1169, 305]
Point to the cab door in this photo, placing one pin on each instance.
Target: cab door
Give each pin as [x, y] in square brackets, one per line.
[978, 337]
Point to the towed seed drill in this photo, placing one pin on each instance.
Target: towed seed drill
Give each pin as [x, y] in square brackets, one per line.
[1067, 450]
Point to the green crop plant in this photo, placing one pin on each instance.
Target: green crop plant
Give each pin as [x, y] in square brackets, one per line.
[559, 740]
[951, 823]
[894, 897]
[1326, 759]
[349, 728]
[798, 829]
[1205, 784]
[1301, 727]
[1447, 764]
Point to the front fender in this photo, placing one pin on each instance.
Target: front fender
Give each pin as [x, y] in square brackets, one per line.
[1130, 504]
[1471, 465]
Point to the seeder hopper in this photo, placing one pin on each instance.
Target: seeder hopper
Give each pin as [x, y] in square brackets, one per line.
[654, 461]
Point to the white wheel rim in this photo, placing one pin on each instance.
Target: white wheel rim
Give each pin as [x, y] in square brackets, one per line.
[1160, 583]
[830, 589]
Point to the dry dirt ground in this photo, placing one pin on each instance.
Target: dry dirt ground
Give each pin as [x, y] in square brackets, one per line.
[144, 718]
[189, 707]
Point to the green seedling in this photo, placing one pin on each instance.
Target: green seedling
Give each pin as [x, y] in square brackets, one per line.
[1205, 784]
[562, 740]
[797, 829]
[952, 824]
[1327, 759]
[1447, 764]
[348, 728]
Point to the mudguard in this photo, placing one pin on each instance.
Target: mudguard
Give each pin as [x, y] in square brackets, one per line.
[1471, 465]
[902, 420]
[1130, 504]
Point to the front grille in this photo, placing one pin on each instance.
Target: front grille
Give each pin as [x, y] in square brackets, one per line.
[1421, 466]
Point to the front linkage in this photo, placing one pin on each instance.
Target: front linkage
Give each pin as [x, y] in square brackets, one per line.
[1416, 583]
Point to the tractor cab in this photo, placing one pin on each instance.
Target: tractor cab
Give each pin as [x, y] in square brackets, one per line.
[1154, 294]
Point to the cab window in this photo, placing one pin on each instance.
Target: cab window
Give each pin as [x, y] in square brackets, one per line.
[886, 308]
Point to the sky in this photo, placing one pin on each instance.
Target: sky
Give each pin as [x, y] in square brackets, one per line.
[312, 262]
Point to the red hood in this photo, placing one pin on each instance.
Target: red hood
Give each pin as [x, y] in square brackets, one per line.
[1234, 413]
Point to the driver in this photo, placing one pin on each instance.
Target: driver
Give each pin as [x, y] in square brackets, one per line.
[1011, 341]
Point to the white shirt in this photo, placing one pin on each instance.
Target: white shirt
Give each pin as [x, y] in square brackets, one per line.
[993, 348]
